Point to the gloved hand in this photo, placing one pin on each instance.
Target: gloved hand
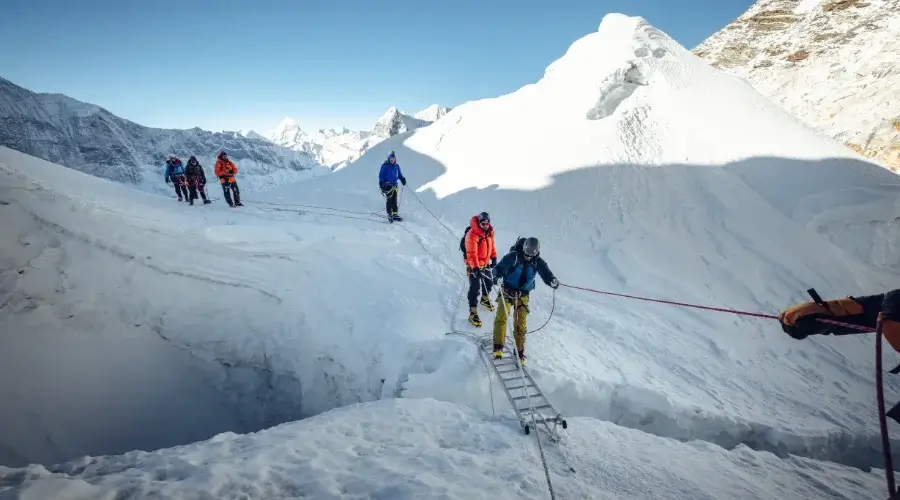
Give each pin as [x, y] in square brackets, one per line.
[493, 262]
[799, 320]
[403, 180]
[168, 181]
[554, 283]
[496, 280]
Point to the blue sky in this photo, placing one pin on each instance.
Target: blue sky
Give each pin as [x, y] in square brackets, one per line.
[230, 64]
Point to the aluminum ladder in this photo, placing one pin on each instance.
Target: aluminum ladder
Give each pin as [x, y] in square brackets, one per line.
[523, 393]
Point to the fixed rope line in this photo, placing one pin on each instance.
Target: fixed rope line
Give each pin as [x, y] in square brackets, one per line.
[319, 207]
[413, 193]
[307, 211]
[552, 308]
[717, 309]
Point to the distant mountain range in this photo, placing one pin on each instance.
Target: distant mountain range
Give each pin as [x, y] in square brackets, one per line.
[87, 137]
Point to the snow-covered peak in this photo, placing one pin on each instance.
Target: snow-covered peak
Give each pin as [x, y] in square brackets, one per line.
[394, 122]
[830, 63]
[389, 114]
[287, 132]
[625, 94]
[336, 147]
[432, 113]
[252, 134]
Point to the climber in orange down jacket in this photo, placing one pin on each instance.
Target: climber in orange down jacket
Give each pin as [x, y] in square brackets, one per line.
[225, 171]
[481, 257]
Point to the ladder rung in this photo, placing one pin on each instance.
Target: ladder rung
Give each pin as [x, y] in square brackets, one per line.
[518, 387]
[537, 407]
[518, 398]
[516, 379]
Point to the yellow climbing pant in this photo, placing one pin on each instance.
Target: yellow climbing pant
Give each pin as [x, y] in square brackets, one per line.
[519, 303]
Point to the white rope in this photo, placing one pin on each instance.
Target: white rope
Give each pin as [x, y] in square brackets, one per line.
[537, 433]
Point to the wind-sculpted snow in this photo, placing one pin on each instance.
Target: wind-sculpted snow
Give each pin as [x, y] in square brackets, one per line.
[90, 139]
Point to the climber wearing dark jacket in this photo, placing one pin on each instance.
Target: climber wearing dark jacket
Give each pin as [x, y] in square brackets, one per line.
[518, 270]
[196, 179]
[175, 175]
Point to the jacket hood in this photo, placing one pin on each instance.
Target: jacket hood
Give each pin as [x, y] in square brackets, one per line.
[473, 224]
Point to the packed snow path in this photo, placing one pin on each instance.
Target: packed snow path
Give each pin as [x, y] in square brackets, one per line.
[324, 310]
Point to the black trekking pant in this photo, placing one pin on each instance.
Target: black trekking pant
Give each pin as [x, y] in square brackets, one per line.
[391, 200]
[180, 186]
[231, 187]
[195, 185]
[477, 280]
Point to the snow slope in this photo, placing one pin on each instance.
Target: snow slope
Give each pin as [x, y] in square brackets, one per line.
[642, 170]
[830, 63]
[411, 449]
[93, 140]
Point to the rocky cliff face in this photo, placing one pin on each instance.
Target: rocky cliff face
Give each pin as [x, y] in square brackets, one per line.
[833, 64]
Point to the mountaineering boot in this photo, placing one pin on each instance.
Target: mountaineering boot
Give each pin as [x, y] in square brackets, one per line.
[498, 351]
[486, 302]
[473, 317]
[522, 357]
[206, 202]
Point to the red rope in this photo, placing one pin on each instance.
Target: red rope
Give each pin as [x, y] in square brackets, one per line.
[718, 309]
[882, 418]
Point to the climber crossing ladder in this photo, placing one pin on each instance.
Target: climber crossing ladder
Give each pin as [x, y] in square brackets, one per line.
[523, 393]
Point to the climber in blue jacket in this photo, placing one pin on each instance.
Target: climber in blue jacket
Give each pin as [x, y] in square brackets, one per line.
[518, 270]
[387, 180]
[175, 173]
